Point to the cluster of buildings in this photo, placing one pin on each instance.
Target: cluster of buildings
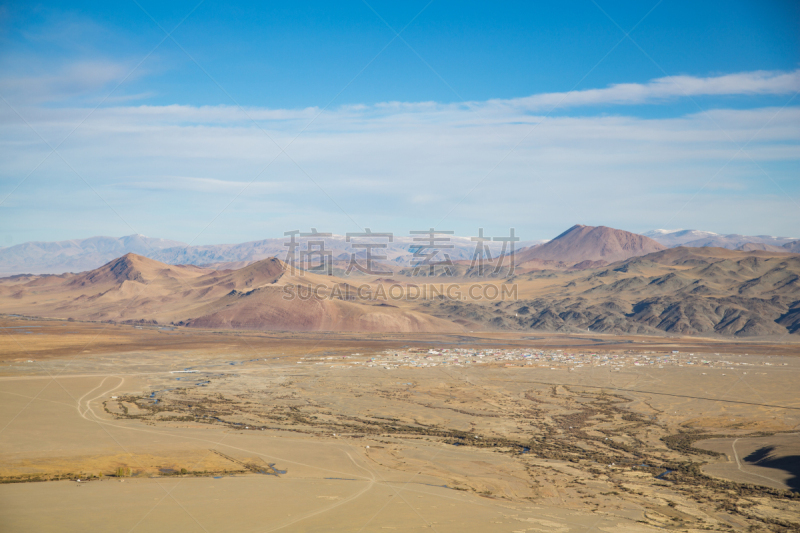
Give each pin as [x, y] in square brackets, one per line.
[555, 359]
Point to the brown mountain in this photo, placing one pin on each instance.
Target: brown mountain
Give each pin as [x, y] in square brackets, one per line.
[590, 243]
[686, 291]
[135, 289]
[133, 267]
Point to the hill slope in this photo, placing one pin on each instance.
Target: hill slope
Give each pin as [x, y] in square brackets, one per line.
[686, 291]
[591, 243]
[135, 289]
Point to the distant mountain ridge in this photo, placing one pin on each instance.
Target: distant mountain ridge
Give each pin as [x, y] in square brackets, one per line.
[753, 246]
[75, 255]
[792, 247]
[679, 237]
[579, 247]
[699, 239]
[87, 254]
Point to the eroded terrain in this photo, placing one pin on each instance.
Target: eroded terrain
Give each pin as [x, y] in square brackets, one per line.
[218, 431]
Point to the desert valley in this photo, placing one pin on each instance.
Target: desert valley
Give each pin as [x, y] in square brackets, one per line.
[606, 382]
[372, 266]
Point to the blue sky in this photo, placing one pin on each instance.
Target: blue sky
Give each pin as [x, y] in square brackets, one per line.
[252, 119]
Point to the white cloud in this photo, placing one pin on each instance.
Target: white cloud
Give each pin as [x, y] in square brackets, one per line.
[391, 163]
[203, 185]
[745, 83]
[79, 79]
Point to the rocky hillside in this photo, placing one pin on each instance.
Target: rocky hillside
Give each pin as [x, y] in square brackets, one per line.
[686, 291]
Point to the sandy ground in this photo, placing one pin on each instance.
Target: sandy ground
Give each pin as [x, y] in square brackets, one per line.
[268, 444]
[773, 461]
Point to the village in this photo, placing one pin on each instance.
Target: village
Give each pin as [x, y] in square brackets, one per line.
[553, 359]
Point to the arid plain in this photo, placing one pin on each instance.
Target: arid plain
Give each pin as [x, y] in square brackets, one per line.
[176, 428]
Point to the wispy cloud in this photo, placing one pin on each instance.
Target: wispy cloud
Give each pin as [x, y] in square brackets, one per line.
[202, 185]
[743, 84]
[397, 164]
[80, 79]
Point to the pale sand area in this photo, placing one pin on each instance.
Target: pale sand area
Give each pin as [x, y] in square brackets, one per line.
[773, 461]
[62, 428]
[357, 448]
[256, 504]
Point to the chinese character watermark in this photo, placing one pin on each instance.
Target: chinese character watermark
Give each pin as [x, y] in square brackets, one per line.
[370, 267]
[425, 254]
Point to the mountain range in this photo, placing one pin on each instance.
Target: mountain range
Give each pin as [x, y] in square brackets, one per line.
[139, 290]
[86, 254]
[701, 239]
[595, 279]
[75, 255]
